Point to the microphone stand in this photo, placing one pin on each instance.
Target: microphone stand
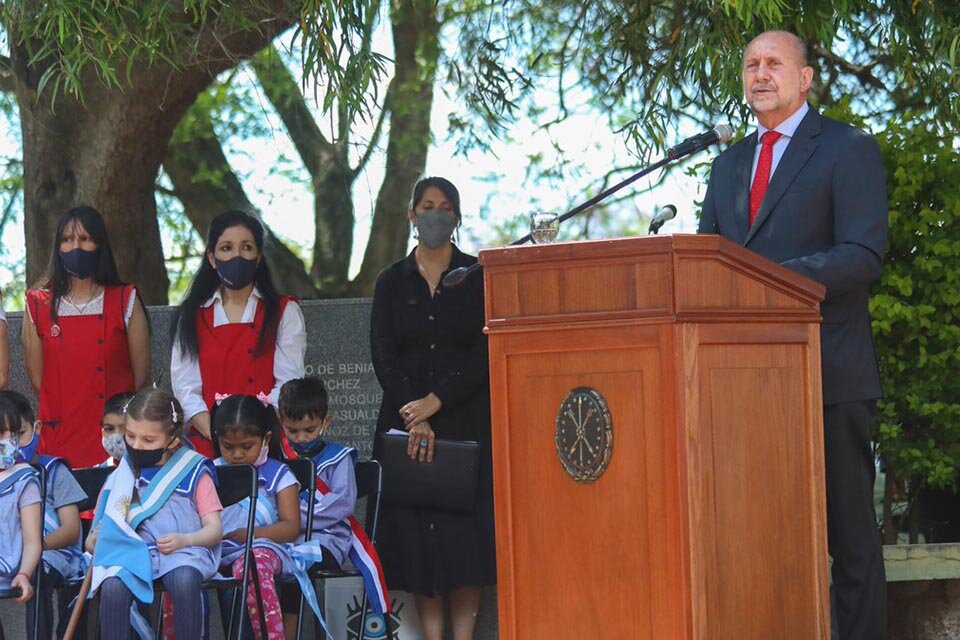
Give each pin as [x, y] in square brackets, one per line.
[458, 275]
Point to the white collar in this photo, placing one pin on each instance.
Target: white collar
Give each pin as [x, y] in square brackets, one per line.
[217, 297]
[789, 126]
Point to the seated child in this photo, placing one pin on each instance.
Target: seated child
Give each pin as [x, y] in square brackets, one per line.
[245, 431]
[62, 556]
[111, 428]
[304, 415]
[157, 518]
[20, 527]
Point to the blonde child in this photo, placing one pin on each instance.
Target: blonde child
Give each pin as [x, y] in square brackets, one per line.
[158, 518]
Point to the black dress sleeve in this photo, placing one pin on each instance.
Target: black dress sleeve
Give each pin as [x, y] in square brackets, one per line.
[470, 373]
[384, 343]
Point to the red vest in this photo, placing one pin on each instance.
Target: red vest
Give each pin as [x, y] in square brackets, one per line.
[86, 359]
[229, 362]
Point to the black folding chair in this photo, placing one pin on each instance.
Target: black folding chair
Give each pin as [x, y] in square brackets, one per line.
[369, 479]
[234, 483]
[7, 594]
[91, 480]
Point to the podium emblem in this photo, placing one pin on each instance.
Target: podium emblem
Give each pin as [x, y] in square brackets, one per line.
[584, 434]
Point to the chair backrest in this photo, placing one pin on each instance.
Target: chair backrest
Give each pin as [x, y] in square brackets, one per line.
[236, 482]
[91, 481]
[304, 470]
[369, 479]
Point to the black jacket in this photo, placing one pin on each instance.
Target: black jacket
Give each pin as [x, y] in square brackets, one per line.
[824, 215]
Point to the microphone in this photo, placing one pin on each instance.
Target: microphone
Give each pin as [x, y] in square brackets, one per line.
[666, 213]
[720, 133]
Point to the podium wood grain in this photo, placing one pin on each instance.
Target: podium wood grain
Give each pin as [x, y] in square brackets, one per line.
[709, 522]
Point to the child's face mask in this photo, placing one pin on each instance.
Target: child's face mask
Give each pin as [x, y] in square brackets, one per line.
[9, 447]
[114, 445]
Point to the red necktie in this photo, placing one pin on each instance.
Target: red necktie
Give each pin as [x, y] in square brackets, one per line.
[762, 176]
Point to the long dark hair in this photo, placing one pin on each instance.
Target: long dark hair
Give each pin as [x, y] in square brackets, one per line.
[206, 282]
[249, 416]
[56, 278]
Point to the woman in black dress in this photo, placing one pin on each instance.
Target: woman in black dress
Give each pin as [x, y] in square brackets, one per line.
[430, 356]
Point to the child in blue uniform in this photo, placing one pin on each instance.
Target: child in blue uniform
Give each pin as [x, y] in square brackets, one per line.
[304, 415]
[112, 428]
[62, 557]
[158, 518]
[246, 431]
[20, 526]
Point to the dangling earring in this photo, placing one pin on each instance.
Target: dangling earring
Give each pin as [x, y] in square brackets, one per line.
[416, 233]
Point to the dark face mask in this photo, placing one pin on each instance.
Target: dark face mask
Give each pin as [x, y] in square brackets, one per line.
[28, 451]
[308, 449]
[143, 458]
[237, 273]
[80, 263]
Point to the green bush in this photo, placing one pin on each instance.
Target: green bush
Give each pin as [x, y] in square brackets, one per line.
[916, 307]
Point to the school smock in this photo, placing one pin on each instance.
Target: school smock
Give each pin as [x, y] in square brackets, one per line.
[62, 490]
[335, 467]
[86, 359]
[272, 477]
[181, 513]
[228, 362]
[19, 488]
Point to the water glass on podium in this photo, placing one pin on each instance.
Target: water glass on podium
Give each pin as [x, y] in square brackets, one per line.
[544, 227]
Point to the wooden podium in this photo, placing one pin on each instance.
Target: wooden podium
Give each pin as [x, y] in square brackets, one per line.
[709, 522]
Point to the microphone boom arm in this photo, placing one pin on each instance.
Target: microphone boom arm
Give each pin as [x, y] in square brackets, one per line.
[689, 147]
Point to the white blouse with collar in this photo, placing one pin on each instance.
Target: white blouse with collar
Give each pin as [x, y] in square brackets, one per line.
[287, 360]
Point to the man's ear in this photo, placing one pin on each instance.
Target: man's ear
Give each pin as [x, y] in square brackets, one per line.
[36, 426]
[326, 421]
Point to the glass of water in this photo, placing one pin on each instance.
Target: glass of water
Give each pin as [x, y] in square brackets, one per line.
[544, 227]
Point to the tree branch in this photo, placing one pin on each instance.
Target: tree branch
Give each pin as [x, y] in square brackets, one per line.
[219, 190]
[284, 94]
[863, 73]
[377, 131]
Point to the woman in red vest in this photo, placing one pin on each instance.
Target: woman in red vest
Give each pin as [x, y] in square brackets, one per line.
[233, 333]
[85, 338]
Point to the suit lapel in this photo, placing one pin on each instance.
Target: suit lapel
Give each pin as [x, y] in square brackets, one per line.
[799, 150]
[741, 186]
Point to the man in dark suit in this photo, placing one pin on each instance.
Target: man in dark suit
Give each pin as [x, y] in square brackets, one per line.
[810, 193]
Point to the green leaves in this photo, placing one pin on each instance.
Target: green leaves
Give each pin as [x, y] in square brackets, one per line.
[70, 43]
[916, 305]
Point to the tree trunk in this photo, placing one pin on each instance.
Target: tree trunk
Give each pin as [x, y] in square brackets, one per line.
[416, 27]
[327, 162]
[206, 197]
[107, 151]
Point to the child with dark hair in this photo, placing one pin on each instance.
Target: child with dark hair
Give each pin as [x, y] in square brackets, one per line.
[246, 431]
[112, 428]
[62, 556]
[20, 526]
[305, 416]
[157, 518]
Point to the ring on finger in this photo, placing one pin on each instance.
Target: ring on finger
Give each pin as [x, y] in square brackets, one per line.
[424, 442]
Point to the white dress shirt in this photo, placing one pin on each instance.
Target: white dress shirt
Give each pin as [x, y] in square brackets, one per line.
[287, 358]
[786, 129]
